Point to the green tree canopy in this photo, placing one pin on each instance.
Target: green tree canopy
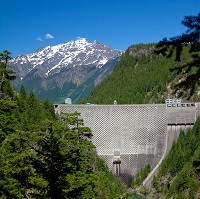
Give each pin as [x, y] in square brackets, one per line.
[189, 73]
[46, 156]
[5, 55]
[5, 75]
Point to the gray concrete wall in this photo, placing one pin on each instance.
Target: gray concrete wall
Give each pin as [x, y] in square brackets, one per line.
[137, 131]
[180, 117]
[142, 134]
[181, 114]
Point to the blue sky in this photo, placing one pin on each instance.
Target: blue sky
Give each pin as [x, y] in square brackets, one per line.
[27, 25]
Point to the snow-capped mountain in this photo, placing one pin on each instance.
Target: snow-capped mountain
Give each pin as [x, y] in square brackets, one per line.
[56, 72]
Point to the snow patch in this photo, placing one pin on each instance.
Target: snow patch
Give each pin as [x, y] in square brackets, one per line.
[102, 62]
[75, 53]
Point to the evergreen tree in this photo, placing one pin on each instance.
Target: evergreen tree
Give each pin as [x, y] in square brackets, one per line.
[135, 79]
[7, 118]
[76, 125]
[46, 156]
[48, 108]
[5, 75]
[189, 73]
[53, 163]
[178, 174]
[5, 55]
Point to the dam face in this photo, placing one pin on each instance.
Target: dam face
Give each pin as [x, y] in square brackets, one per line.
[127, 137]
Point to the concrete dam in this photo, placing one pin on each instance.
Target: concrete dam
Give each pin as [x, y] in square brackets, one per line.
[128, 137]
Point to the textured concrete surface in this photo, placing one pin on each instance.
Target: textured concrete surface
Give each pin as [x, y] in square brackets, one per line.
[138, 134]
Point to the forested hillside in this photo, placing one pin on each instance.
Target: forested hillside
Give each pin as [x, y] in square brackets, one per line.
[179, 174]
[140, 77]
[46, 156]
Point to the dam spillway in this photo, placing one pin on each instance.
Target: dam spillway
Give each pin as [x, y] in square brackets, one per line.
[128, 137]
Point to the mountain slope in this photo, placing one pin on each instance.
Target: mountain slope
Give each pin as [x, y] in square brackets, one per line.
[179, 173]
[57, 72]
[140, 77]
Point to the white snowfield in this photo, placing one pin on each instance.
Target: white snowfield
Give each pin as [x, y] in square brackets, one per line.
[51, 59]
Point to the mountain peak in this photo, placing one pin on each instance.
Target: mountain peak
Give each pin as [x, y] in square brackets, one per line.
[75, 53]
[81, 40]
[68, 63]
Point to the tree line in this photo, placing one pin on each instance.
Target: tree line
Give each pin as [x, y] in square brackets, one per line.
[150, 73]
[43, 155]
